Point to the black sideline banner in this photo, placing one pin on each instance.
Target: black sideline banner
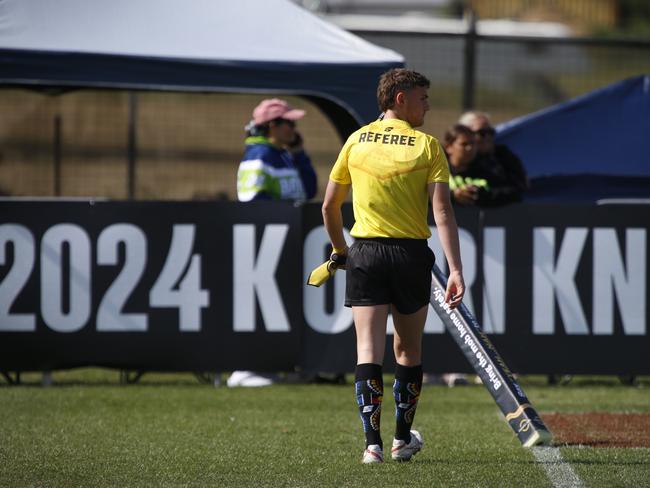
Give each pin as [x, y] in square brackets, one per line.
[209, 286]
[154, 286]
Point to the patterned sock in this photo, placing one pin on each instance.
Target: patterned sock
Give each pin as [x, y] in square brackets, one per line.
[407, 386]
[369, 389]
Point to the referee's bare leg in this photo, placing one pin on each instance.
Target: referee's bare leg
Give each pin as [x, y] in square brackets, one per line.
[407, 342]
[407, 346]
[370, 326]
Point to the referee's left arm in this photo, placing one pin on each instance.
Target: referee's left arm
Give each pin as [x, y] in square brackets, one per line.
[335, 195]
[443, 213]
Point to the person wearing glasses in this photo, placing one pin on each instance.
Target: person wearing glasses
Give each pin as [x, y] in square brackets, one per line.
[275, 166]
[483, 174]
[494, 163]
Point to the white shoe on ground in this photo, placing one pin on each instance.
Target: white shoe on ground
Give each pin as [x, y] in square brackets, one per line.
[454, 379]
[432, 379]
[402, 451]
[373, 454]
[249, 378]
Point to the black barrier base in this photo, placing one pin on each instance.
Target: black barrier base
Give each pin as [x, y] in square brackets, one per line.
[559, 379]
[206, 377]
[209, 378]
[10, 380]
[127, 378]
[630, 380]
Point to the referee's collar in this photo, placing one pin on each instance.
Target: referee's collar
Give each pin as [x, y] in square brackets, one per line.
[395, 122]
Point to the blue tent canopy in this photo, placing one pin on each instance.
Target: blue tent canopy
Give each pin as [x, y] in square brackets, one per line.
[272, 46]
[592, 147]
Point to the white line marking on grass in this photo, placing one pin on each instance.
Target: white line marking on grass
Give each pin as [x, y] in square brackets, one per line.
[559, 472]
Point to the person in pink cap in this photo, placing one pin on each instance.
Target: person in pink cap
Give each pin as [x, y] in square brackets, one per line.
[275, 165]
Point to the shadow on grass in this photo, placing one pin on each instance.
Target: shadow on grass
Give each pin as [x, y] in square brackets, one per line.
[608, 462]
[103, 378]
[101, 383]
[603, 443]
[150, 379]
[530, 462]
[584, 381]
[472, 462]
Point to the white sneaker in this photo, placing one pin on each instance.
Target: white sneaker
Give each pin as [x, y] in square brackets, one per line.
[454, 379]
[373, 454]
[432, 379]
[402, 451]
[249, 378]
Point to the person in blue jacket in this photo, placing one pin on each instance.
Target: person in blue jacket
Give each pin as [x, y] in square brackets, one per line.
[275, 166]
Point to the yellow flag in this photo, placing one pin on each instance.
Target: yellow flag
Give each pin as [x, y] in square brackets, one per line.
[323, 273]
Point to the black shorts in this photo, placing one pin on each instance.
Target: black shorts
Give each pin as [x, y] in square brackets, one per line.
[389, 271]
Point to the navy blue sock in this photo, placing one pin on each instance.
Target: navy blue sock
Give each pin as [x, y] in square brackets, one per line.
[407, 386]
[369, 390]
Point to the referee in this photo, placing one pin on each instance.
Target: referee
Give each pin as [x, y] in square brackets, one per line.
[393, 170]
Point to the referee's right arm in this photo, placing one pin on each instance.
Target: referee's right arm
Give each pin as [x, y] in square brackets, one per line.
[335, 195]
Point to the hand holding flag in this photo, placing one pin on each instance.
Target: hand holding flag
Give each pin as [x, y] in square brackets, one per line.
[326, 270]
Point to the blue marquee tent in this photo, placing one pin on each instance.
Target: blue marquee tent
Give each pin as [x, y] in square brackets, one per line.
[197, 45]
[589, 148]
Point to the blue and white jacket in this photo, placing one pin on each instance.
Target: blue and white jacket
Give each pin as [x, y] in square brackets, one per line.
[268, 172]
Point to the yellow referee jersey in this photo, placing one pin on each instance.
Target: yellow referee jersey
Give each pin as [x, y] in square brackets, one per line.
[389, 165]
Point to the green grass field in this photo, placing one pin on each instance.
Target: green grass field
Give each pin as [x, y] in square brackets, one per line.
[171, 430]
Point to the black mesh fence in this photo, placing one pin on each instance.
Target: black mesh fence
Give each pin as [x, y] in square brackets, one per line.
[184, 145]
[188, 145]
[513, 76]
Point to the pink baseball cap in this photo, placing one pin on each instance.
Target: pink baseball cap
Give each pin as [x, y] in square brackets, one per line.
[273, 108]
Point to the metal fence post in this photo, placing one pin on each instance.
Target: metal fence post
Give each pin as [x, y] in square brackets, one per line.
[469, 61]
[132, 143]
[57, 155]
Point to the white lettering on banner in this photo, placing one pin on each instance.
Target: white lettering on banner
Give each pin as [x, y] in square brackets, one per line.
[468, 253]
[612, 277]
[434, 325]
[494, 280]
[482, 361]
[109, 314]
[66, 278]
[492, 375]
[556, 278]
[439, 298]
[253, 277]
[493, 275]
[22, 242]
[390, 323]
[77, 242]
[187, 296]
[316, 315]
